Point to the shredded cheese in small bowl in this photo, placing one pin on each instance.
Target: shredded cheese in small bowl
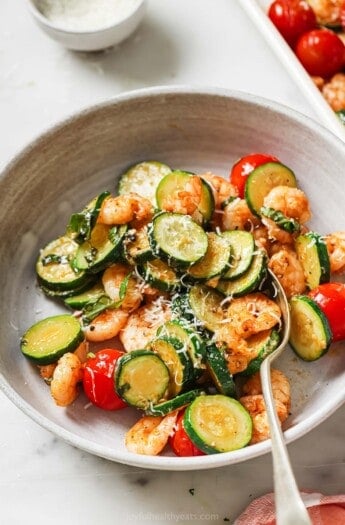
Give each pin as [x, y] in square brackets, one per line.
[88, 25]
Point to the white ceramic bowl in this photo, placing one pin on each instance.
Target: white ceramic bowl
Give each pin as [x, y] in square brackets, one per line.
[63, 169]
[90, 40]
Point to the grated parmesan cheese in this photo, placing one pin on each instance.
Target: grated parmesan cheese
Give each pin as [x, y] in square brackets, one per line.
[86, 15]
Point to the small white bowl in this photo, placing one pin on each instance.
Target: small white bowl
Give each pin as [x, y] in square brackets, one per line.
[90, 40]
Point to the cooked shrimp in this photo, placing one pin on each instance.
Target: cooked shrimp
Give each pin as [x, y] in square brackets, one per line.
[67, 374]
[112, 279]
[142, 325]
[125, 209]
[222, 189]
[255, 405]
[253, 313]
[277, 234]
[253, 401]
[336, 250]
[150, 434]
[237, 216]
[46, 372]
[292, 202]
[334, 92]
[327, 11]
[288, 270]
[280, 386]
[82, 351]
[262, 240]
[185, 200]
[106, 325]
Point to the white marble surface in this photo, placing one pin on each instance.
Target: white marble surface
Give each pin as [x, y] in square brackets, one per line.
[201, 42]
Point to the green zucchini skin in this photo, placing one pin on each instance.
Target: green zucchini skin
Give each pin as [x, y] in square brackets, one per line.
[249, 281]
[262, 180]
[177, 239]
[160, 275]
[49, 339]
[141, 378]
[54, 268]
[310, 335]
[89, 296]
[81, 224]
[181, 330]
[180, 401]
[218, 370]
[217, 423]
[136, 246]
[264, 347]
[104, 247]
[282, 221]
[178, 180]
[175, 356]
[242, 252]
[312, 253]
[215, 261]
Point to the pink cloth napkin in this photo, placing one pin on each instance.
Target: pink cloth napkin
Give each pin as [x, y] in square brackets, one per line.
[323, 510]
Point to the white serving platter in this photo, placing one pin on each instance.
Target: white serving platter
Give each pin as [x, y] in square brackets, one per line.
[257, 11]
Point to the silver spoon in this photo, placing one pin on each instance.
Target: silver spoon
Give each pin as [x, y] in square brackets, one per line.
[290, 509]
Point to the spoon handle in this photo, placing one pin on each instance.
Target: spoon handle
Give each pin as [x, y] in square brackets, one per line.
[290, 509]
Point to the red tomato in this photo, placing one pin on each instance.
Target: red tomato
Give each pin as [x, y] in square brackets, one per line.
[98, 381]
[180, 441]
[292, 18]
[330, 297]
[241, 169]
[321, 52]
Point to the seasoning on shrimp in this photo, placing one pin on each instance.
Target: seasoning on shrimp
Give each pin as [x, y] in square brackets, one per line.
[66, 376]
[150, 434]
[253, 401]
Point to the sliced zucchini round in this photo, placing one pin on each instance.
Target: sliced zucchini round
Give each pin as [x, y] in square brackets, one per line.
[47, 340]
[215, 261]
[80, 300]
[143, 179]
[177, 239]
[177, 329]
[206, 206]
[310, 335]
[81, 224]
[249, 281]
[178, 181]
[141, 378]
[102, 249]
[312, 253]
[218, 423]
[259, 347]
[54, 269]
[263, 179]
[174, 354]
[242, 252]
[205, 304]
[219, 372]
[160, 275]
[180, 401]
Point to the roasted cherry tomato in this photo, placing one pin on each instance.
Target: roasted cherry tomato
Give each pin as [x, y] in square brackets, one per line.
[98, 381]
[330, 297]
[321, 52]
[180, 442]
[241, 169]
[292, 18]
